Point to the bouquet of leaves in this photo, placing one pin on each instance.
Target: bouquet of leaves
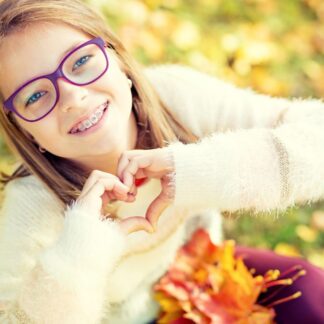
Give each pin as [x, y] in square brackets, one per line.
[208, 284]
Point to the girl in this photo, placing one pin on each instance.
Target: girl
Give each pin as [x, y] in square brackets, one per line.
[119, 166]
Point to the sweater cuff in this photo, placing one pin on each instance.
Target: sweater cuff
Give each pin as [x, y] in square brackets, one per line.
[189, 176]
[227, 171]
[86, 244]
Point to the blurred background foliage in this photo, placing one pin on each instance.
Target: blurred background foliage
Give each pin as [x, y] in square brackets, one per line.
[273, 46]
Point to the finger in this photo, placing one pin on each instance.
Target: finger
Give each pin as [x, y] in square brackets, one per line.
[109, 184]
[93, 178]
[128, 179]
[122, 163]
[116, 189]
[116, 186]
[156, 208]
[131, 194]
[161, 202]
[106, 198]
[93, 197]
[137, 163]
[124, 160]
[133, 189]
[130, 198]
[111, 196]
[134, 224]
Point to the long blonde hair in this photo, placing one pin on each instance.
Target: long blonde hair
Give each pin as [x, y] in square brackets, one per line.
[157, 125]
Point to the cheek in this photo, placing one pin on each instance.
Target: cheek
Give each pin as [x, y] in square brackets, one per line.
[116, 79]
[40, 132]
[116, 86]
[24, 127]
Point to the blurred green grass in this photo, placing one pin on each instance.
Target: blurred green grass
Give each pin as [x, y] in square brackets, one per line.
[275, 47]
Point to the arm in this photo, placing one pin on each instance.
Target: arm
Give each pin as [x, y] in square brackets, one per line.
[255, 152]
[49, 278]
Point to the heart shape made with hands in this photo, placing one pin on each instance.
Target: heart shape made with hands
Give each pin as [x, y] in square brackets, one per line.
[133, 168]
[136, 223]
[148, 222]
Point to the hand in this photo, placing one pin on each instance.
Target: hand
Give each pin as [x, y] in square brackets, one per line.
[156, 163]
[100, 188]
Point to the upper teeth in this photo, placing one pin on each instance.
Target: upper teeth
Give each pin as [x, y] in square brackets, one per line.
[92, 120]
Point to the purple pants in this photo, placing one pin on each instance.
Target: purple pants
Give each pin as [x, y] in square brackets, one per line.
[307, 309]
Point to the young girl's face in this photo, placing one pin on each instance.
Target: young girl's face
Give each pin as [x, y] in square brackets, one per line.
[38, 50]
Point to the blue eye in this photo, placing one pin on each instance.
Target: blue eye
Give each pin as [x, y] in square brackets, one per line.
[81, 62]
[34, 97]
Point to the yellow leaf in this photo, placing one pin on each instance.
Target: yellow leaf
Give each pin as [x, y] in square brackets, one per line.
[286, 249]
[169, 305]
[135, 11]
[317, 258]
[186, 35]
[306, 233]
[258, 52]
[162, 23]
[152, 44]
[7, 166]
[230, 42]
[264, 82]
[242, 67]
[317, 220]
[219, 289]
[167, 318]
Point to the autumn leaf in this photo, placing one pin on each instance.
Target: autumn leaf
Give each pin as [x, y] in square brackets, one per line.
[208, 284]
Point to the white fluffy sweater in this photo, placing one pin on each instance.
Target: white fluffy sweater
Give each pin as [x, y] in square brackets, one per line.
[256, 152]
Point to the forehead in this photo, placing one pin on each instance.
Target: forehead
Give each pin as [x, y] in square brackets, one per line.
[34, 51]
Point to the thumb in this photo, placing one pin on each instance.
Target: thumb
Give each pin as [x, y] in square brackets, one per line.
[156, 208]
[134, 224]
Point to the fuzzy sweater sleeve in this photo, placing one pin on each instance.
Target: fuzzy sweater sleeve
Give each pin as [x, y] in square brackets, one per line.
[47, 277]
[255, 152]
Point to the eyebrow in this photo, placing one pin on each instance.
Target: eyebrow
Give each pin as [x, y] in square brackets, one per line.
[71, 48]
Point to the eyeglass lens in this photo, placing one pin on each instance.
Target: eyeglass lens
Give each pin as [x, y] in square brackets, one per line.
[82, 67]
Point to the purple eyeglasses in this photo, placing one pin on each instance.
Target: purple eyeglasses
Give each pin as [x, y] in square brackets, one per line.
[36, 98]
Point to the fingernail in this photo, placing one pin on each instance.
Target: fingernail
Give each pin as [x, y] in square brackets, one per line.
[131, 198]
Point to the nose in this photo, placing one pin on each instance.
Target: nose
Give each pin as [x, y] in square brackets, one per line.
[70, 95]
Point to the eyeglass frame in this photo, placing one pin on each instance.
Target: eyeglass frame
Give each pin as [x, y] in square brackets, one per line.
[54, 76]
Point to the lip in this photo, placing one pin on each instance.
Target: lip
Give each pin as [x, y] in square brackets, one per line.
[96, 126]
[87, 116]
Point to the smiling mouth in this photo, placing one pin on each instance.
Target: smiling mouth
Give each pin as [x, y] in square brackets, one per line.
[91, 121]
